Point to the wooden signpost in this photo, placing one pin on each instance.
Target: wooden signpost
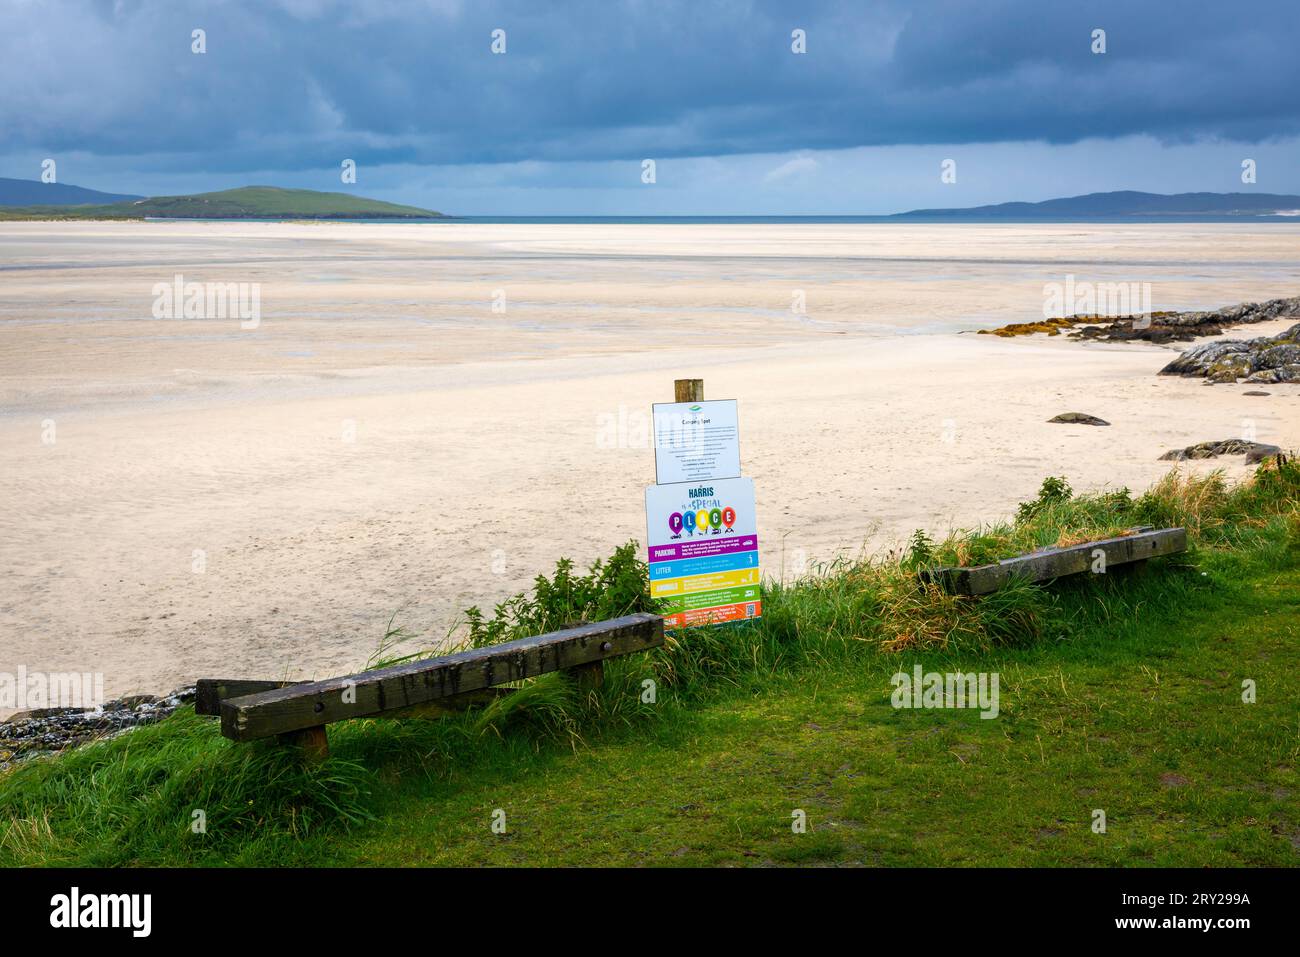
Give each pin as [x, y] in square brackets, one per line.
[688, 390]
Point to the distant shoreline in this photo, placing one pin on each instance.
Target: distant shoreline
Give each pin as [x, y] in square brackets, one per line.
[892, 219]
[45, 218]
[278, 204]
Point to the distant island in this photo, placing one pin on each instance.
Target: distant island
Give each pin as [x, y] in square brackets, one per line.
[27, 199]
[249, 202]
[30, 192]
[1125, 203]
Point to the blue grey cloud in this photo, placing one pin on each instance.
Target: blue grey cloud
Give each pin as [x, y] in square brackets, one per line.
[300, 84]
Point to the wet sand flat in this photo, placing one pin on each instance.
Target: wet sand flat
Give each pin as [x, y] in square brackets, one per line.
[258, 502]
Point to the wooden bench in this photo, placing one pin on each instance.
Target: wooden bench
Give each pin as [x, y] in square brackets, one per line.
[1053, 563]
[299, 711]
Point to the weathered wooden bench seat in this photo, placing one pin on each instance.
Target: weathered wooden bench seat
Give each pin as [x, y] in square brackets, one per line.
[260, 709]
[1053, 563]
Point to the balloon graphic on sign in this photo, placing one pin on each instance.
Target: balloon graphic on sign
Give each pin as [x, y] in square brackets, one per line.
[728, 516]
[675, 523]
[715, 518]
[688, 521]
[702, 519]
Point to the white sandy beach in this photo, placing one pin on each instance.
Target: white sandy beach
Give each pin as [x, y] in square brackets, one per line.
[258, 503]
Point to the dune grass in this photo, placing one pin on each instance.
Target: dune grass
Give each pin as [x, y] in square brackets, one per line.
[724, 735]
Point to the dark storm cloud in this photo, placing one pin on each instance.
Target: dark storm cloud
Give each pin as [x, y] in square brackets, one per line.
[301, 84]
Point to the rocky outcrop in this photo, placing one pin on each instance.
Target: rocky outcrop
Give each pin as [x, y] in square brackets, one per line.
[1158, 326]
[1266, 359]
[52, 729]
[1254, 451]
[1183, 326]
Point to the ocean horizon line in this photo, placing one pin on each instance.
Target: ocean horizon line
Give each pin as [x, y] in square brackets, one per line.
[688, 220]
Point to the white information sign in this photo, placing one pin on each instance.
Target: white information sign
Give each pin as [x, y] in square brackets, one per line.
[696, 441]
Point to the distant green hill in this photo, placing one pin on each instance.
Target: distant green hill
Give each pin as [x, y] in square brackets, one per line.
[248, 202]
[32, 192]
[1126, 203]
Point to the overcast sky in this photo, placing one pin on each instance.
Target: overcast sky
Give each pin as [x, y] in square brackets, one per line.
[735, 120]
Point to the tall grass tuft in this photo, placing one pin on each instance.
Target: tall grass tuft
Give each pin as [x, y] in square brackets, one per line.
[122, 798]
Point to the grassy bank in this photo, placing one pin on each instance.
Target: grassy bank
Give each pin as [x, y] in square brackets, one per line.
[1120, 692]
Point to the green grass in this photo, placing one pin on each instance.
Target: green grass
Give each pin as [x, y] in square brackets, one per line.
[248, 202]
[1120, 692]
[1083, 727]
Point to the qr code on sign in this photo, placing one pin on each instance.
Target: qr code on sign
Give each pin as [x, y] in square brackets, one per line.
[749, 610]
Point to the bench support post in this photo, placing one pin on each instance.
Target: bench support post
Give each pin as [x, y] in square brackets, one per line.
[313, 742]
[588, 676]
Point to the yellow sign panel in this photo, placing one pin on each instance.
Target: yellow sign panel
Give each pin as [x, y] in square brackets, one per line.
[694, 583]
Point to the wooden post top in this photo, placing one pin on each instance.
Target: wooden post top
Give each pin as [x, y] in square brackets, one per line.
[688, 390]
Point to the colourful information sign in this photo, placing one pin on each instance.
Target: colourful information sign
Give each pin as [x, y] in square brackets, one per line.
[703, 546]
